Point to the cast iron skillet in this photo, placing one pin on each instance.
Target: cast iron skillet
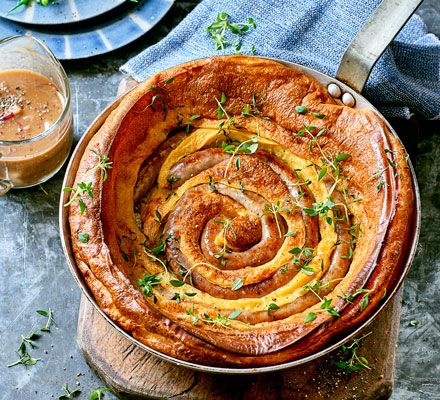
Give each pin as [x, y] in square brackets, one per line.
[352, 74]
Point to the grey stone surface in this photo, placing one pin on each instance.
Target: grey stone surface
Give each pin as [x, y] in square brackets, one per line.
[34, 274]
[418, 360]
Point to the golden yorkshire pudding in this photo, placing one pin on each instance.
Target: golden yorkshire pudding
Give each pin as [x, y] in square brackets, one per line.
[230, 213]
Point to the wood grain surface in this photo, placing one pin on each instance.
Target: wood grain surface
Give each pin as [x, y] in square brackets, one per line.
[132, 373]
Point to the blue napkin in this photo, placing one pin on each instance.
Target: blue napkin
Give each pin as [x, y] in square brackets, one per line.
[314, 33]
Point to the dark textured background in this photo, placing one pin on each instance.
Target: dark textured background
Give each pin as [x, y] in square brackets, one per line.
[34, 274]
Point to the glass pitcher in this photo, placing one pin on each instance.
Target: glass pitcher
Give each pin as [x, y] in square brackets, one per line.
[31, 161]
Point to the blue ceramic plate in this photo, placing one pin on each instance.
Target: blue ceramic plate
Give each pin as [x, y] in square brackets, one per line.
[60, 12]
[94, 39]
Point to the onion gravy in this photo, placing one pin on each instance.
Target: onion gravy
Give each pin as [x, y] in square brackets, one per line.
[29, 104]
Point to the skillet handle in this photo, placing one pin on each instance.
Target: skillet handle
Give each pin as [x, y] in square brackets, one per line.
[372, 40]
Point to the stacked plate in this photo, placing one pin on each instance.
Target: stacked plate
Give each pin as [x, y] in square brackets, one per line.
[75, 29]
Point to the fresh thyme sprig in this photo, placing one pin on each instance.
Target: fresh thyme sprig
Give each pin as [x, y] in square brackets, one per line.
[328, 160]
[321, 208]
[317, 284]
[220, 319]
[81, 189]
[25, 3]
[98, 394]
[354, 362]
[158, 216]
[325, 307]
[25, 359]
[177, 296]
[44, 3]
[354, 231]
[29, 341]
[349, 298]
[160, 98]
[194, 318]
[249, 146]
[222, 26]
[303, 256]
[349, 256]
[379, 174]
[186, 273]
[191, 311]
[307, 130]
[147, 283]
[69, 394]
[154, 258]
[83, 237]
[103, 163]
[224, 126]
[160, 248]
[275, 209]
[173, 179]
[251, 110]
[226, 225]
[191, 118]
[43, 189]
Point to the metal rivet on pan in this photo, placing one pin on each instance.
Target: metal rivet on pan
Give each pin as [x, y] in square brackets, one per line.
[334, 90]
[348, 99]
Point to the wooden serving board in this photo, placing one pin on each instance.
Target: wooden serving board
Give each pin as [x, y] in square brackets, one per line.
[132, 373]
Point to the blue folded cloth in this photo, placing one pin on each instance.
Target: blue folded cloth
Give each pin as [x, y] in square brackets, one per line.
[314, 33]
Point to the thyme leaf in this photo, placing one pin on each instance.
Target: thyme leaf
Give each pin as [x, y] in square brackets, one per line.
[272, 307]
[237, 284]
[310, 317]
[50, 320]
[301, 109]
[83, 237]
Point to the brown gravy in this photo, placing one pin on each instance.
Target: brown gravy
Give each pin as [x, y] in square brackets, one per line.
[29, 104]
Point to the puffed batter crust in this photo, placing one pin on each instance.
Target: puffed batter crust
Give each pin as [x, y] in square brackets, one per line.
[262, 252]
